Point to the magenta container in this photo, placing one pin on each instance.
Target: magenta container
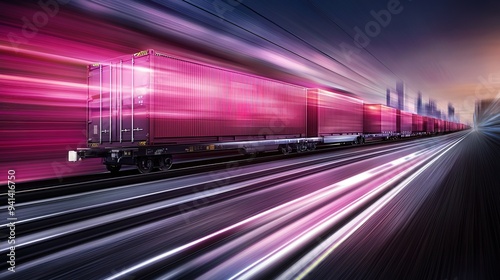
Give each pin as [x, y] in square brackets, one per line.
[438, 126]
[404, 122]
[330, 113]
[446, 126]
[154, 98]
[429, 125]
[379, 119]
[417, 123]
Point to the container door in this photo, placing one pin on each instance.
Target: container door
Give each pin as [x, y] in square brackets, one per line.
[133, 119]
[118, 100]
[100, 125]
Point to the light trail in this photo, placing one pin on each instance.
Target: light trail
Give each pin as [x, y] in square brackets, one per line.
[306, 264]
[304, 201]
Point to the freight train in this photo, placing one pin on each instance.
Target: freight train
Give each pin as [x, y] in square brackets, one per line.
[145, 108]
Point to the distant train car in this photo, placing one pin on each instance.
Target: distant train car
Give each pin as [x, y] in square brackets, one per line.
[335, 117]
[438, 126]
[404, 122]
[379, 122]
[429, 126]
[417, 124]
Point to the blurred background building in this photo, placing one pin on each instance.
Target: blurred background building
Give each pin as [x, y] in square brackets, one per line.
[400, 90]
[487, 112]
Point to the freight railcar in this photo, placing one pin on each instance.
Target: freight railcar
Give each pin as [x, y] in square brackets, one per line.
[334, 117]
[418, 124]
[429, 127]
[404, 122]
[380, 122]
[438, 126]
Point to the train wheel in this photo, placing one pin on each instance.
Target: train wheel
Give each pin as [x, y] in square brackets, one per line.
[311, 146]
[301, 147]
[165, 163]
[145, 165]
[285, 149]
[113, 168]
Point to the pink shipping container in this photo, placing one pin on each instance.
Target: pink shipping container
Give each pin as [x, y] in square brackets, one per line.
[379, 119]
[417, 123]
[404, 122]
[439, 126]
[152, 98]
[429, 125]
[330, 113]
[446, 126]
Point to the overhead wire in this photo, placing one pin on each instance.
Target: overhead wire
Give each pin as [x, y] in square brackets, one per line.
[284, 48]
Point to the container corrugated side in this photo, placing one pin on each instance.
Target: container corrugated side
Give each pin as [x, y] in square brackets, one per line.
[379, 119]
[331, 113]
[196, 102]
[404, 121]
[429, 126]
[417, 123]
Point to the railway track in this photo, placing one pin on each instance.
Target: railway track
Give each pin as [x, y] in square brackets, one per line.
[38, 190]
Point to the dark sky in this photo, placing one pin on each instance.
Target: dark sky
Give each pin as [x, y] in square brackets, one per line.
[450, 50]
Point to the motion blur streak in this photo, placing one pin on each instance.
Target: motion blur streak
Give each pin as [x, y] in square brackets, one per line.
[43, 81]
[488, 118]
[46, 55]
[313, 198]
[315, 230]
[309, 262]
